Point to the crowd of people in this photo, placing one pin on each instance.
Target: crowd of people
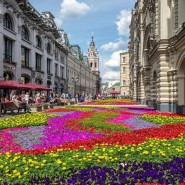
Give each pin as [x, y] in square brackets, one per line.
[24, 100]
[20, 100]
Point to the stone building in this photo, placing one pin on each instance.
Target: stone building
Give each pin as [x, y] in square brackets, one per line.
[93, 58]
[81, 76]
[157, 54]
[124, 74]
[34, 50]
[30, 52]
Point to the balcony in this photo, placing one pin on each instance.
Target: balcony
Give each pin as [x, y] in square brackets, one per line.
[8, 60]
[39, 71]
[26, 67]
[49, 73]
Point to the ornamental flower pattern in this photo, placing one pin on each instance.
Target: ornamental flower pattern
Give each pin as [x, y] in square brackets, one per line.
[131, 144]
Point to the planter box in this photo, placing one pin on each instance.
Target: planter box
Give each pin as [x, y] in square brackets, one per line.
[39, 108]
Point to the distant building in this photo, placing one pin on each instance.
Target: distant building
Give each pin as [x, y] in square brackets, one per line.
[93, 58]
[80, 76]
[124, 74]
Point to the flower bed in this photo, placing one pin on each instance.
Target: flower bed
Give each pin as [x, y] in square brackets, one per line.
[82, 145]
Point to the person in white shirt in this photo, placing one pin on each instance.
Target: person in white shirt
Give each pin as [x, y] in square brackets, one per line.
[26, 97]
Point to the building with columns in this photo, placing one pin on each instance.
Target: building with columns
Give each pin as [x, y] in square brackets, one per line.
[34, 50]
[157, 54]
[82, 75]
[124, 74]
[30, 52]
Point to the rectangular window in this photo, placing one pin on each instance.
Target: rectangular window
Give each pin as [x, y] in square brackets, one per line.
[124, 70]
[56, 54]
[48, 66]
[25, 56]
[62, 58]
[38, 62]
[61, 71]
[56, 69]
[124, 82]
[8, 49]
[124, 59]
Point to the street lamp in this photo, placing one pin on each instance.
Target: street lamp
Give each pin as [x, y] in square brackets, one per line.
[75, 80]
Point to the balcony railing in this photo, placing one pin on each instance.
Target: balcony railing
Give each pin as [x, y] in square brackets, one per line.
[8, 59]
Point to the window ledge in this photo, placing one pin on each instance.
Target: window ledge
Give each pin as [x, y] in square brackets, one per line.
[11, 31]
[27, 41]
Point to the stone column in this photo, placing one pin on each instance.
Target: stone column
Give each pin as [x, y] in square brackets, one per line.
[142, 92]
[146, 80]
[163, 101]
[173, 88]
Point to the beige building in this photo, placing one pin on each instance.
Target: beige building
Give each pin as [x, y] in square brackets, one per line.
[124, 74]
[82, 71]
[157, 54]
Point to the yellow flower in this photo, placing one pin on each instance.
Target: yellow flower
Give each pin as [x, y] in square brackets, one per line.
[59, 161]
[64, 168]
[145, 152]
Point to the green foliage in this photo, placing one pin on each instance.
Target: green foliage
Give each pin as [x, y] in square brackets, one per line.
[98, 120]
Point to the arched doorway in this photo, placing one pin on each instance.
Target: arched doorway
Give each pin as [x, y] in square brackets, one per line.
[25, 79]
[181, 84]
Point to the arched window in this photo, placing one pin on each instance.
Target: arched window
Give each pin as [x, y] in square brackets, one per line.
[49, 48]
[38, 42]
[7, 22]
[24, 33]
[95, 64]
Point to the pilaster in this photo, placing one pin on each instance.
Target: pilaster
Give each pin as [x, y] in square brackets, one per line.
[1, 41]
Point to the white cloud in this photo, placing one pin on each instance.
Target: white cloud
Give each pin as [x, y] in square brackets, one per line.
[73, 8]
[114, 61]
[112, 46]
[111, 76]
[123, 22]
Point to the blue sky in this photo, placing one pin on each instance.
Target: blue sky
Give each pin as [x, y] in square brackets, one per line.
[107, 20]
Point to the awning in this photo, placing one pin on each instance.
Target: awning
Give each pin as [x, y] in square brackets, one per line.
[10, 84]
[114, 92]
[37, 87]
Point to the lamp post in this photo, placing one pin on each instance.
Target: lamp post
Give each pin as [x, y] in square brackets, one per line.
[75, 80]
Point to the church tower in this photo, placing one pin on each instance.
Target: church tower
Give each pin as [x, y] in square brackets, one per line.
[93, 57]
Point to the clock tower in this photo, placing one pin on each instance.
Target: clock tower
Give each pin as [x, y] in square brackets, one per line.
[93, 57]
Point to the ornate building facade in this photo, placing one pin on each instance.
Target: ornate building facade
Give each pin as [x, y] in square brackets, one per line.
[124, 74]
[34, 50]
[157, 54]
[80, 75]
[30, 52]
[93, 58]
